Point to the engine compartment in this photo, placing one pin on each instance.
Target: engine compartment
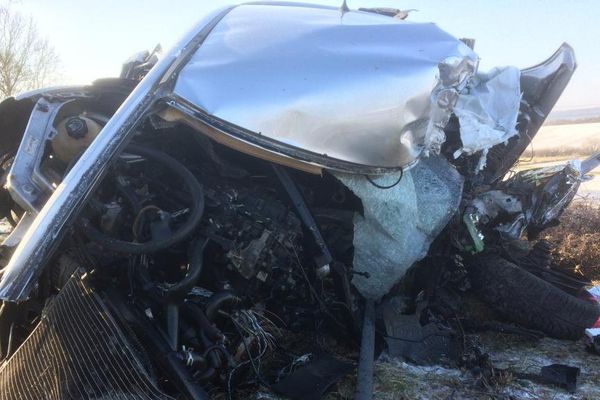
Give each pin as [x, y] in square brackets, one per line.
[201, 254]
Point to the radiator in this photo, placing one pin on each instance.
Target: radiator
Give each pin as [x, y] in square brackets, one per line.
[77, 351]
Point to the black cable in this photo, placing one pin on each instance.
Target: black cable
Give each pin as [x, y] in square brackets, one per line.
[372, 182]
[197, 210]
[217, 300]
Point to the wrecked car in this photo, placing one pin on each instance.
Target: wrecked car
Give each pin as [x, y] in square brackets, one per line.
[286, 169]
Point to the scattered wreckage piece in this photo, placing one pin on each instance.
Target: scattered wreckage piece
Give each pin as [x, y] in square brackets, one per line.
[592, 336]
[311, 380]
[212, 203]
[406, 337]
[560, 375]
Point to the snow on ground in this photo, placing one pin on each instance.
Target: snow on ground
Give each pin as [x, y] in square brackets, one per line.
[396, 379]
[557, 144]
[572, 136]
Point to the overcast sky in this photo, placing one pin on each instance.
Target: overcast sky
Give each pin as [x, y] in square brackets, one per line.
[93, 37]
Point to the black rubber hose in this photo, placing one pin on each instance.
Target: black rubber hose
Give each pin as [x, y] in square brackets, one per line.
[214, 357]
[195, 314]
[182, 288]
[217, 301]
[197, 207]
[166, 359]
[206, 330]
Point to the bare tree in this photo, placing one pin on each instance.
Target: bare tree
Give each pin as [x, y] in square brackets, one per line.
[27, 60]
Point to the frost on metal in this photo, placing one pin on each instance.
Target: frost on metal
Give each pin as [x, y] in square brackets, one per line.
[487, 110]
[399, 224]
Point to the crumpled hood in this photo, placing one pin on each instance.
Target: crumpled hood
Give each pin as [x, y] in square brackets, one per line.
[319, 84]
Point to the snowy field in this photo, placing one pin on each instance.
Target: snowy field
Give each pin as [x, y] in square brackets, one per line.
[557, 144]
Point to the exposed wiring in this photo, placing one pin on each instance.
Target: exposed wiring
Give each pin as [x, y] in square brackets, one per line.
[240, 329]
[324, 307]
[377, 185]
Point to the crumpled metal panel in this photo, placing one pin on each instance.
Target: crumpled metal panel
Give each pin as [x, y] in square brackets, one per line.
[357, 87]
[541, 86]
[399, 224]
[487, 111]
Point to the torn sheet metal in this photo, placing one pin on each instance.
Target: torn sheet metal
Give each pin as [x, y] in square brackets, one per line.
[491, 203]
[487, 111]
[486, 207]
[592, 339]
[349, 91]
[399, 224]
[541, 86]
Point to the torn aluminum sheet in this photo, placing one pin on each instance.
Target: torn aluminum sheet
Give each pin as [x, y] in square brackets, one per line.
[487, 111]
[399, 223]
[352, 92]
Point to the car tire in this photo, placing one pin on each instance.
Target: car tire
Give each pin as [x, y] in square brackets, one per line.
[530, 301]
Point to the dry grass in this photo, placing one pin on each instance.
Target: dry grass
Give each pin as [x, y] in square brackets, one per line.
[577, 238]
